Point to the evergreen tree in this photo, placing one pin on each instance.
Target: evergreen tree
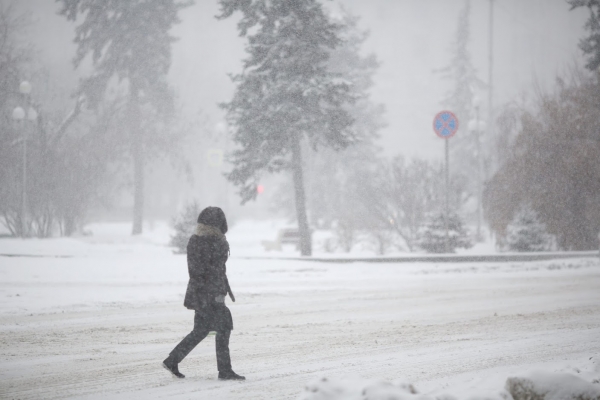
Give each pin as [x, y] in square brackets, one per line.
[185, 226]
[526, 232]
[130, 45]
[590, 45]
[461, 72]
[433, 235]
[285, 95]
[460, 100]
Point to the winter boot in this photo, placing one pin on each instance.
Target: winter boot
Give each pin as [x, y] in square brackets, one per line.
[230, 375]
[171, 366]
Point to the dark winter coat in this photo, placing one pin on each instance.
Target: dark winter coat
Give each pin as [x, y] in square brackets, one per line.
[207, 253]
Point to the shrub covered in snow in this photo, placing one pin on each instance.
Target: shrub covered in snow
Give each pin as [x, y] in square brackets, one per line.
[432, 237]
[552, 386]
[536, 386]
[184, 225]
[326, 389]
[526, 233]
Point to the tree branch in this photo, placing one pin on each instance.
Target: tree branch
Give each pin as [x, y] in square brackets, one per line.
[68, 120]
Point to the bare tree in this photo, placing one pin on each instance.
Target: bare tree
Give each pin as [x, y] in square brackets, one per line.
[15, 60]
[553, 166]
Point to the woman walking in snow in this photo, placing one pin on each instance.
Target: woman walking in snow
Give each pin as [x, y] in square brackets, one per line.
[207, 253]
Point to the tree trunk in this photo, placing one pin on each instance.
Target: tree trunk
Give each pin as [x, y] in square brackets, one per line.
[581, 238]
[138, 163]
[69, 225]
[305, 237]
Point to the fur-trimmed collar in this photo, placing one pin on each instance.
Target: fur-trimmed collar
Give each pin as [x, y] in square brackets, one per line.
[207, 230]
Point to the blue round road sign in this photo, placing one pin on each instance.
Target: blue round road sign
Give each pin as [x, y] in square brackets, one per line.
[445, 124]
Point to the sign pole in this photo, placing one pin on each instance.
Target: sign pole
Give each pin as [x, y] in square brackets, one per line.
[447, 213]
[445, 125]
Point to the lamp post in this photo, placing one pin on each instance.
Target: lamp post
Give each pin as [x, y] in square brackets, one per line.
[19, 116]
[477, 127]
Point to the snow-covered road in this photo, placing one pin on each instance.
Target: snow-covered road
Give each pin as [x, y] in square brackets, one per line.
[98, 324]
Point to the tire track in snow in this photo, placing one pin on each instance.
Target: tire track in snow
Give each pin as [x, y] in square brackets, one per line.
[283, 341]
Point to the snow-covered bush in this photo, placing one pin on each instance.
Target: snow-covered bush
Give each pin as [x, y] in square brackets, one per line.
[535, 386]
[526, 233]
[346, 233]
[552, 386]
[326, 389]
[185, 225]
[432, 237]
[381, 241]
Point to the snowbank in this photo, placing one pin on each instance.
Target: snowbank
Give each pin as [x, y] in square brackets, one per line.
[552, 386]
[536, 386]
[326, 389]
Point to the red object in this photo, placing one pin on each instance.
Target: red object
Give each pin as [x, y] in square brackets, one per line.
[445, 124]
[260, 189]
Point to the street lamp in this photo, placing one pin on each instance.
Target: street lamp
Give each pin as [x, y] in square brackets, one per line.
[18, 116]
[25, 87]
[477, 127]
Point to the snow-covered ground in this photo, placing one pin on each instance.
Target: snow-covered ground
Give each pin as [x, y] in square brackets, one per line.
[93, 317]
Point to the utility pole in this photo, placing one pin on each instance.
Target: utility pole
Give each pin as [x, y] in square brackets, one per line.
[490, 116]
[490, 124]
[479, 173]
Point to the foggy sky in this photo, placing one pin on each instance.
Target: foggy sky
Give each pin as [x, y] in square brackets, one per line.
[533, 41]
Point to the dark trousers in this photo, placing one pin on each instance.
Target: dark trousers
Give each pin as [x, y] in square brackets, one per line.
[196, 336]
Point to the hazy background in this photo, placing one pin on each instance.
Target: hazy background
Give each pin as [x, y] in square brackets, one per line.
[534, 40]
